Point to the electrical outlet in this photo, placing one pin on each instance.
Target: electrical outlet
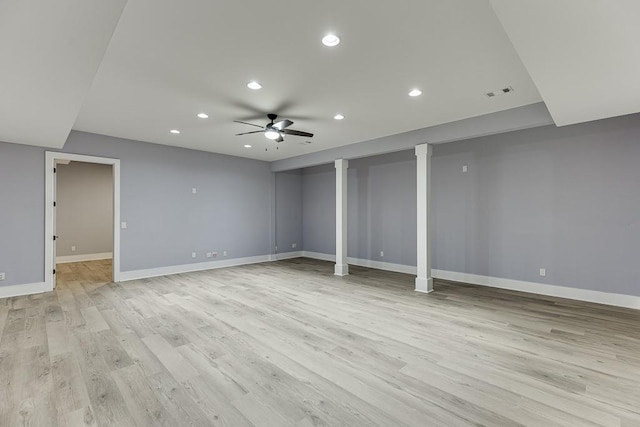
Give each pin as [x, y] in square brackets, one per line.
[208, 255]
[73, 248]
[294, 245]
[224, 253]
[543, 272]
[194, 191]
[123, 225]
[381, 253]
[2, 276]
[465, 168]
[193, 254]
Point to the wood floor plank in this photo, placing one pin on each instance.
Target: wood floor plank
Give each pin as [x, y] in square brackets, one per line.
[289, 343]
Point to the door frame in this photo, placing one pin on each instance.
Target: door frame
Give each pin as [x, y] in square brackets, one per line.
[49, 164]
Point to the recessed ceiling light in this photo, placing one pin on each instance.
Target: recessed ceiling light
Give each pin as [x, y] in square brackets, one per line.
[176, 131]
[415, 92]
[203, 115]
[338, 117]
[254, 85]
[331, 40]
[247, 146]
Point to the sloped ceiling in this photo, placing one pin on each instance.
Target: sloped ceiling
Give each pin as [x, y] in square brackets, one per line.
[583, 55]
[50, 52]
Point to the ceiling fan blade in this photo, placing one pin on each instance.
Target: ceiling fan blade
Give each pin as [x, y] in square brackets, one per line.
[297, 133]
[280, 138]
[283, 124]
[250, 124]
[247, 133]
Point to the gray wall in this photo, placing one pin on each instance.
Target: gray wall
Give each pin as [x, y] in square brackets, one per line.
[565, 199]
[319, 209]
[382, 208]
[166, 222]
[289, 211]
[21, 214]
[84, 214]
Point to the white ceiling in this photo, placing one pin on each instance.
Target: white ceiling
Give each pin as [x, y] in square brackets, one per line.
[168, 61]
[50, 52]
[582, 54]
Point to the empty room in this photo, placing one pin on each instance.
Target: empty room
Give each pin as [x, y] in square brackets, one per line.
[417, 213]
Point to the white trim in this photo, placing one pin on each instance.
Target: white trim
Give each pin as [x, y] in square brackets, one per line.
[424, 286]
[341, 269]
[27, 289]
[342, 265]
[424, 282]
[50, 160]
[618, 300]
[319, 255]
[287, 255]
[380, 265]
[80, 258]
[188, 268]
[607, 298]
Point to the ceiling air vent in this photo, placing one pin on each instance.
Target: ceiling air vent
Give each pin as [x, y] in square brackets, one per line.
[508, 89]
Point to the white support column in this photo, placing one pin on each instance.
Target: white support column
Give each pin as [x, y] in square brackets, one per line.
[424, 281]
[342, 268]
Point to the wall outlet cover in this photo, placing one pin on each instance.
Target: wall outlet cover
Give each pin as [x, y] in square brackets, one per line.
[214, 254]
[293, 245]
[543, 272]
[123, 225]
[2, 276]
[193, 254]
[465, 168]
[73, 248]
[194, 191]
[381, 253]
[224, 253]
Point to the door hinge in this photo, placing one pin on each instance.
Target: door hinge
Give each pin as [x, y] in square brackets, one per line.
[54, 204]
[55, 170]
[54, 271]
[55, 237]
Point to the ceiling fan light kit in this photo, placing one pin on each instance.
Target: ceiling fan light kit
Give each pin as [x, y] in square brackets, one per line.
[275, 131]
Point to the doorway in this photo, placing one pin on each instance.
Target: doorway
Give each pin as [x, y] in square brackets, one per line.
[82, 192]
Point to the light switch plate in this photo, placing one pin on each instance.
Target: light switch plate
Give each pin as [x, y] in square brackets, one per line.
[465, 168]
[543, 272]
[123, 225]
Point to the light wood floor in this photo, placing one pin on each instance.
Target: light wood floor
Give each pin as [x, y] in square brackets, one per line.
[288, 343]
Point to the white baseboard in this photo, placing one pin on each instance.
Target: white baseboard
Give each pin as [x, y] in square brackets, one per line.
[320, 256]
[618, 300]
[607, 298]
[27, 289]
[288, 255]
[380, 265]
[80, 258]
[188, 268]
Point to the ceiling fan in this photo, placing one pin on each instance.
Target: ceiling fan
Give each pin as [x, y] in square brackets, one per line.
[275, 131]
